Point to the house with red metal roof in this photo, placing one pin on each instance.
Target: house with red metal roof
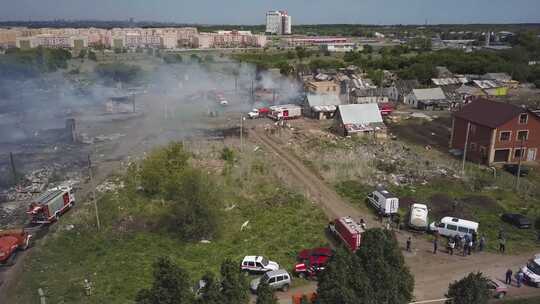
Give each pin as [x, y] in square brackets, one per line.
[498, 133]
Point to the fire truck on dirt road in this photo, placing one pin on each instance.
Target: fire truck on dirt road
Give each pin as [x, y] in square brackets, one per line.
[348, 231]
[11, 241]
[49, 206]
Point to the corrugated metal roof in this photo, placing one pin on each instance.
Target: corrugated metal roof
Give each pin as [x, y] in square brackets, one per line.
[323, 100]
[429, 94]
[486, 84]
[360, 113]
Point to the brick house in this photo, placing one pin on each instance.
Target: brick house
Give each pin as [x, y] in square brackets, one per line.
[498, 132]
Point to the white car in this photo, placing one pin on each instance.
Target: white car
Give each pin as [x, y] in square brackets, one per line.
[532, 271]
[255, 263]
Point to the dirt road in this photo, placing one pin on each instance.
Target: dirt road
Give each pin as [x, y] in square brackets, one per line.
[432, 272]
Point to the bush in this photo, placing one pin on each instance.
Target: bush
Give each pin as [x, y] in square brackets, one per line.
[473, 289]
[170, 286]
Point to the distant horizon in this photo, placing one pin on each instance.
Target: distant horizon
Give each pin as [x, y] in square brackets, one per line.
[303, 12]
[257, 24]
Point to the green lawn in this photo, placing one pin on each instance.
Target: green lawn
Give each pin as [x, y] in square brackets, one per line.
[118, 259]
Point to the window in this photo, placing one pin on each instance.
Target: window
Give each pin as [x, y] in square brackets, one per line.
[463, 229]
[259, 265]
[252, 264]
[441, 225]
[523, 135]
[272, 280]
[505, 136]
[451, 227]
[523, 118]
[286, 277]
[518, 153]
[280, 278]
[471, 231]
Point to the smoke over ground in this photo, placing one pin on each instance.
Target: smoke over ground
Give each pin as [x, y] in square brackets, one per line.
[30, 105]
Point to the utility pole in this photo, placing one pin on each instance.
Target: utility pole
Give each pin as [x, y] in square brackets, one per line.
[521, 153]
[241, 133]
[93, 186]
[465, 149]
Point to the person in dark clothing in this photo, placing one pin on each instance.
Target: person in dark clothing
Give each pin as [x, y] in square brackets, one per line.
[508, 279]
[465, 248]
[519, 278]
[482, 243]
[469, 247]
[502, 245]
[409, 244]
[435, 246]
[474, 239]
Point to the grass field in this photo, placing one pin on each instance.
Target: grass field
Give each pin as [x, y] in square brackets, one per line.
[118, 259]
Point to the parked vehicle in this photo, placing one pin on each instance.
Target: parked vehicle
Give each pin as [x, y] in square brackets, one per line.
[497, 289]
[253, 263]
[49, 206]
[513, 169]
[384, 202]
[348, 230]
[418, 218]
[258, 113]
[532, 271]
[320, 251]
[311, 267]
[283, 112]
[276, 279]
[10, 242]
[451, 226]
[386, 108]
[517, 220]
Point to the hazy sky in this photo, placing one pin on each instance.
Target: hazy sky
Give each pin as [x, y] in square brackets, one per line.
[302, 11]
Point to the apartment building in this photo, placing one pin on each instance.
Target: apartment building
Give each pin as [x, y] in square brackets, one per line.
[278, 23]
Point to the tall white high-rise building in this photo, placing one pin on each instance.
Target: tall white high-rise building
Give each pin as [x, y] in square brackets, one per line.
[278, 23]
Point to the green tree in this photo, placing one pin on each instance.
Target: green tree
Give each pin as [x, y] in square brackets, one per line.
[82, 54]
[368, 49]
[265, 294]
[382, 261]
[119, 72]
[285, 68]
[211, 292]
[301, 53]
[375, 274]
[473, 289]
[234, 283]
[171, 285]
[92, 56]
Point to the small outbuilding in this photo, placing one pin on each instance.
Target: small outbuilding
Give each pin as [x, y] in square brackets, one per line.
[427, 99]
[321, 106]
[359, 119]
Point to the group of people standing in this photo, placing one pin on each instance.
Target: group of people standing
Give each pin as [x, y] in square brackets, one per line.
[467, 243]
[520, 277]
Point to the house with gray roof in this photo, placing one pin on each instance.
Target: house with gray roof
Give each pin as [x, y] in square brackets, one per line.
[359, 119]
[427, 99]
[321, 106]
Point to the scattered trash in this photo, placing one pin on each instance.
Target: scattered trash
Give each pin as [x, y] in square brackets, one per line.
[230, 207]
[205, 241]
[244, 225]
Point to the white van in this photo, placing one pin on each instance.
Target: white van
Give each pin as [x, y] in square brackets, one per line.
[384, 201]
[451, 226]
[418, 217]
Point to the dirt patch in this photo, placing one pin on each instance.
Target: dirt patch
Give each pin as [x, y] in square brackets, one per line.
[435, 133]
[442, 205]
[482, 202]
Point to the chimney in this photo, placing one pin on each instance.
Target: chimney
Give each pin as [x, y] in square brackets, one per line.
[71, 129]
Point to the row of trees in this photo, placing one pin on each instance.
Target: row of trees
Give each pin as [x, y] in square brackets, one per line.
[17, 63]
[118, 72]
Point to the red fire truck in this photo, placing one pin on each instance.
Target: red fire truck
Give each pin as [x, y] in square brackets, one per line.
[49, 206]
[348, 231]
[11, 241]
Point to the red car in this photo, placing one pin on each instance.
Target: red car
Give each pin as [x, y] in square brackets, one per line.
[312, 261]
[320, 251]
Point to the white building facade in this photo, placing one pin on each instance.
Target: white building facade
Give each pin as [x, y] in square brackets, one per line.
[278, 23]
